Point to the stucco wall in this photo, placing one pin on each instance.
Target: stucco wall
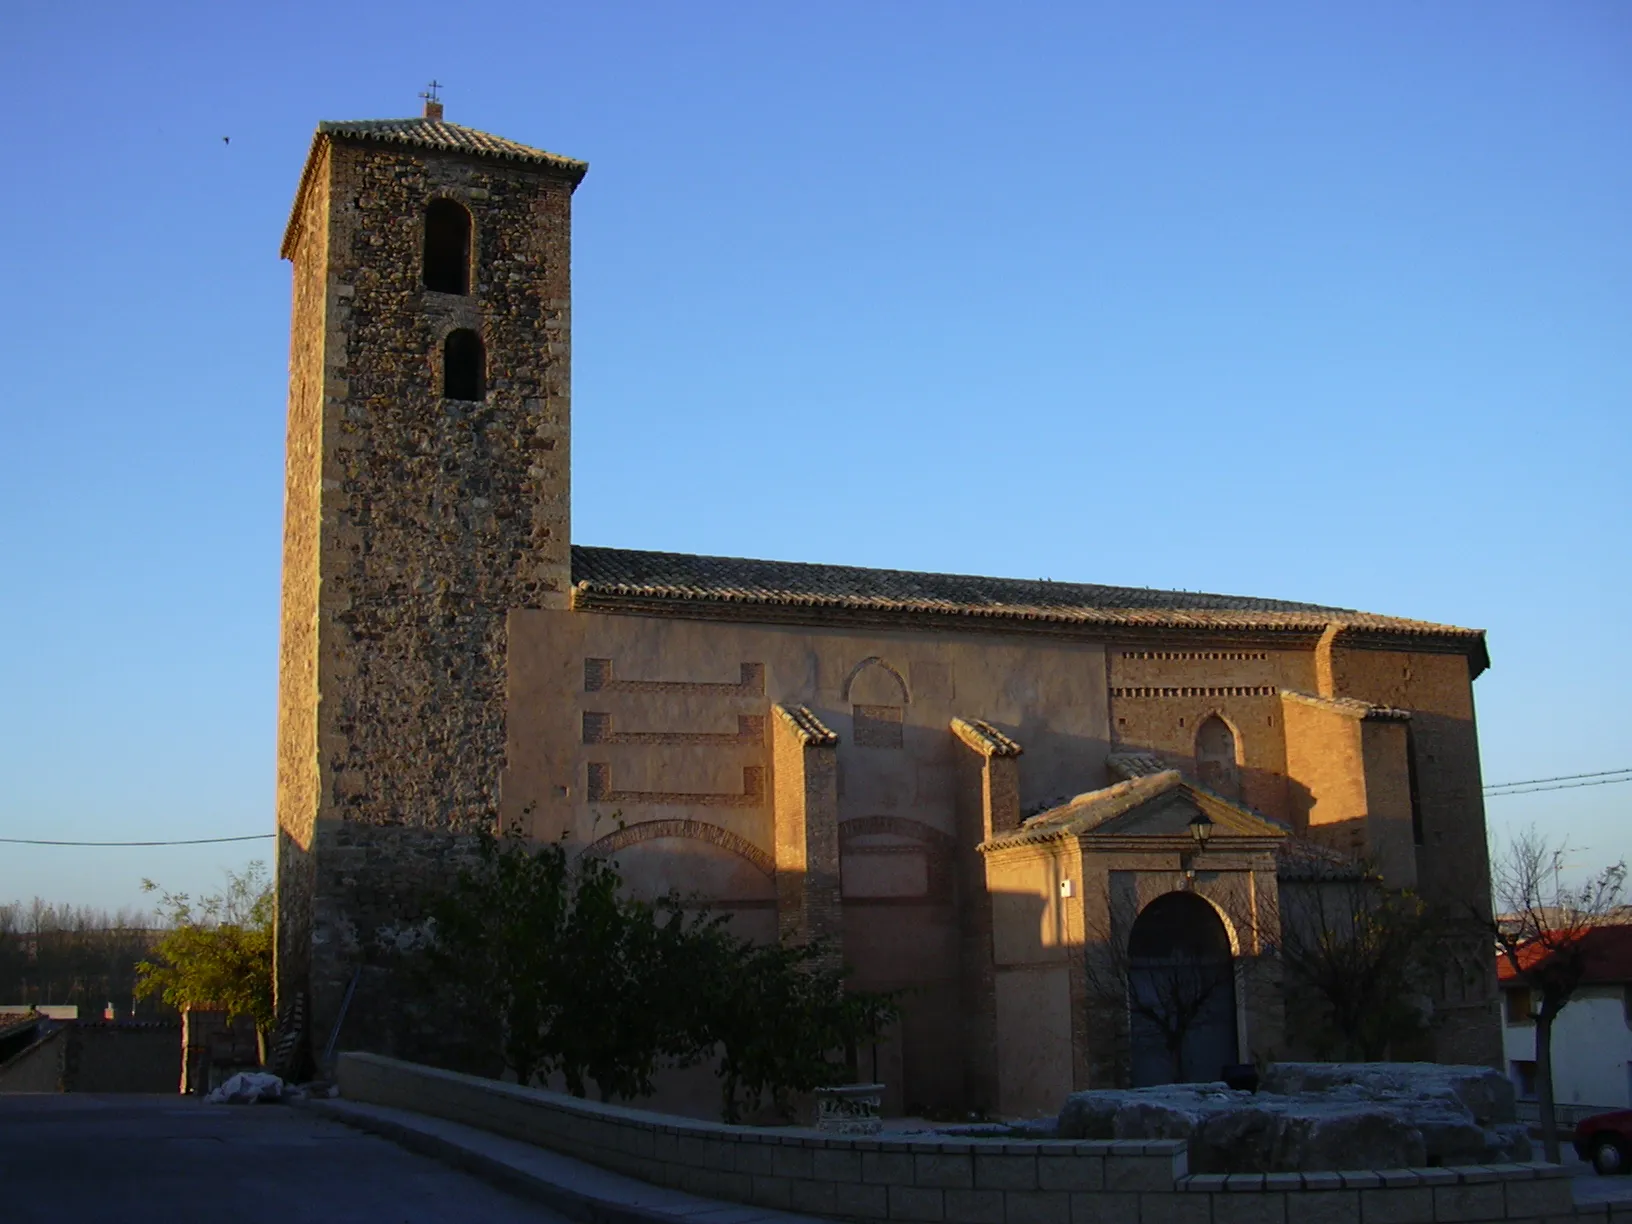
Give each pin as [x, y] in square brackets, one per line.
[1592, 1049]
[39, 1067]
[96, 1057]
[1057, 1025]
[664, 726]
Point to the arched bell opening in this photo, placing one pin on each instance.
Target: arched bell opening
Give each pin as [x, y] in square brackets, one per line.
[447, 247]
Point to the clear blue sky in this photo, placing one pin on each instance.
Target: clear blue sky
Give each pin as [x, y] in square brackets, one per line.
[1317, 301]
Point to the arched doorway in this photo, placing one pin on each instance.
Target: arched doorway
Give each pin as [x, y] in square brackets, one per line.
[1181, 992]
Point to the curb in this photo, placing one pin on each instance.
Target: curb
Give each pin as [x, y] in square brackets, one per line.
[574, 1204]
[604, 1197]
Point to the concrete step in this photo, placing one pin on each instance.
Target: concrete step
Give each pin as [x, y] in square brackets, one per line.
[576, 1190]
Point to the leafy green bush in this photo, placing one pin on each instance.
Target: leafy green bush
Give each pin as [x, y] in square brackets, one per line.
[598, 986]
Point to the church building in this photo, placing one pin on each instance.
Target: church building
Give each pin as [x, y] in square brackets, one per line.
[964, 784]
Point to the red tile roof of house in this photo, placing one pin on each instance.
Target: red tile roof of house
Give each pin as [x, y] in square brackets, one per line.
[1607, 950]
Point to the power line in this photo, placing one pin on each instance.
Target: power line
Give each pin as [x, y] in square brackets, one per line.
[1528, 786]
[1559, 786]
[1603, 773]
[191, 841]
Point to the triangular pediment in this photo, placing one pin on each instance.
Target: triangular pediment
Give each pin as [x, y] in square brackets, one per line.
[1170, 815]
[1155, 805]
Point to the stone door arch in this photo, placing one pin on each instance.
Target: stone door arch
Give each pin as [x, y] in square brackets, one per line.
[1181, 992]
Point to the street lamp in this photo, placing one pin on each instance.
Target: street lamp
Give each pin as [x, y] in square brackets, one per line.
[1201, 828]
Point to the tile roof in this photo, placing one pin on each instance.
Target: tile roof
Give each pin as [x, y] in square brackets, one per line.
[448, 137]
[985, 738]
[1299, 859]
[810, 729]
[1090, 812]
[1130, 765]
[1353, 707]
[421, 133]
[1606, 953]
[614, 578]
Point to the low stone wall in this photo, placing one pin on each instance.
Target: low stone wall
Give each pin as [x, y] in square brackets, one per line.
[961, 1181]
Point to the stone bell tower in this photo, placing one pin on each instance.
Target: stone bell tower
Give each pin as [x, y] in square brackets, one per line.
[427, 494]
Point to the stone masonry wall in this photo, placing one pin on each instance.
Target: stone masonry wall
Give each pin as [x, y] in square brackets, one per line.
[297, 785]
[434, 517]
[937, 1179]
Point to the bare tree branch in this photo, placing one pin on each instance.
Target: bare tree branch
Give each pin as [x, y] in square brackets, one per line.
[1540, 930]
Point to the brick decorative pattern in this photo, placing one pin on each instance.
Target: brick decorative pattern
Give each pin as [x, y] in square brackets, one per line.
[601, 790]
[1197, 656]
[1219, 690]
[964, 1181]
[598, 678]
[695, 830]
[876, 726]
[750, 733]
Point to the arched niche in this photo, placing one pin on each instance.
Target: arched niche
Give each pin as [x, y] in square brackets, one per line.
[698, 859]
[894, 860]
[878, 699]
[875, 682]
[1218, 756]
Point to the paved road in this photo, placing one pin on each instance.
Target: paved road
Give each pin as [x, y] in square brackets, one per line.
[171, 1160]
[1587, 1185]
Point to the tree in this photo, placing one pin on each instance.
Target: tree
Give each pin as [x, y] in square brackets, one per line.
[783, 1022]
[73, 954]
[1540, 929]
[582, 980]
[1362, 957]
[217, 952]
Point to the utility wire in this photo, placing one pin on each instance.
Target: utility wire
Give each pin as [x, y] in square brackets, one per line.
[1529, 786]
[1558, 786]
[1604, 773]
[191, 841]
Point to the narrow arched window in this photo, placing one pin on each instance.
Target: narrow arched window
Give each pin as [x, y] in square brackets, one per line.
[464, 366]
[447, 247]
[1216, 766]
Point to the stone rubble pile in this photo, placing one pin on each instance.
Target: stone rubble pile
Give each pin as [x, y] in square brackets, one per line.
[1309, 1117]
